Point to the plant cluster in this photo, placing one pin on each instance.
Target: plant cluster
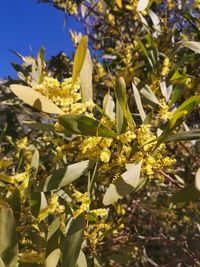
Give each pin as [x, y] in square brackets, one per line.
[102, 166]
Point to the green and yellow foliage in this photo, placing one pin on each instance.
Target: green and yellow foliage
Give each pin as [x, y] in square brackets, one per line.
[104, 168]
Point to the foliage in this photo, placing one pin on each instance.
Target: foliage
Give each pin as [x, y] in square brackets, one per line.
[102, 168]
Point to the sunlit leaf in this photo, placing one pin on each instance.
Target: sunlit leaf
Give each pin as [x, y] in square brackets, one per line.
[155, 19]
[82, 262]
[109, 106]
[194, 46]
[148, 94]
[35, 99]
[86, 79]
[8, 237]
[142, 4]
[197, 180]
[138, 102]
[123, 115]
[73, 241]
[79, 59]
[1, 263]
[83, 125]
[63, 176]
[53, 258]
[124, 185]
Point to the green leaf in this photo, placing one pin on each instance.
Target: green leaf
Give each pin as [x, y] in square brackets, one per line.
[86, 79]
[194, 46]
[63, 176]
[181, 136]
[82, 262]
[155, 19]
[188, 105]
[83, 125]
[176, 94]
[189, 193]
[1, 263]
[149, 95]
[124, 185]
[184, 109]
[41, 62]
[35, 99]
[79, 59]
[35, 203]
[53, 258]
[8, 237]
[15, 203]
[109, 106]
[197, 180]
[46, 127]
[138, 102]
[73, 241]
[53, 237]
[123, 115]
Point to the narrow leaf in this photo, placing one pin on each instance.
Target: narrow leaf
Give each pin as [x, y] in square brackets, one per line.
[124, 185]
[8, 237]
[142, 4]
[123, 115]
[35, 99]
[138, 102]
[63, 176]
[82, 262]
[181, 136]
[83, 125]
[1, 263]
[53, 258]
[197, 180]
[194, 46]
[109, 106]
[86, 79]
[73, 241]
[79, 59]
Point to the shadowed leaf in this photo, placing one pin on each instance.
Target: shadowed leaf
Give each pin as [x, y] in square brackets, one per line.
[189, 193]
[8, 237]
[73, 241]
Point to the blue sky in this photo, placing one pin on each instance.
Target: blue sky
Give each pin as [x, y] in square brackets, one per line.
[25, 24]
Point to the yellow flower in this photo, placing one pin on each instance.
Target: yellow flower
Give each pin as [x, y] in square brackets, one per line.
[105, 155]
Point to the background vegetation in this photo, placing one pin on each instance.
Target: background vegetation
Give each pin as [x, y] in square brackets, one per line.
[99, 154]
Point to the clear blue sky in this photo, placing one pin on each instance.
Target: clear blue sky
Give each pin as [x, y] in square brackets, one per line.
[25, 24]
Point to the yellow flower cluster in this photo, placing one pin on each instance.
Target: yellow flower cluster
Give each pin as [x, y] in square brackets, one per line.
[62, 95]
[68, 6]
[84, 201]
[165, 68]
[22, 143]
[96, 148]
[53, 206]
[164, 112]
[132, 5]
[153, 160]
